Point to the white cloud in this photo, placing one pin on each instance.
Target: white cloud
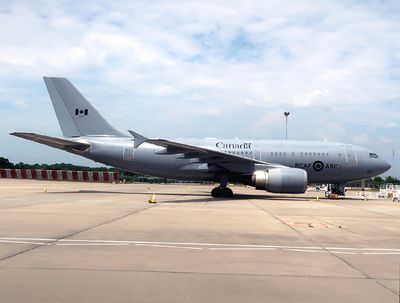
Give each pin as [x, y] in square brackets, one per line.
[392, 125]
[362, 139]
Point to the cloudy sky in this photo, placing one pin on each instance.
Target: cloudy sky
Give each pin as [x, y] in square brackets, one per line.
[198, 69]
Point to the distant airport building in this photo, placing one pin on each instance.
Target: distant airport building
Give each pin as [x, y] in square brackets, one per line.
[59, 175]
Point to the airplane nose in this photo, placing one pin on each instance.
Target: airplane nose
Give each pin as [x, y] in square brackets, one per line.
[384, 166]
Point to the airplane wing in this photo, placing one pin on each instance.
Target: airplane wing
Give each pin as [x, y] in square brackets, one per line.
[67, 145]
[205, 155]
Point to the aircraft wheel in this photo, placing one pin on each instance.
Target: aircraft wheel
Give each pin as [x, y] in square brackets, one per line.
[227, 192]
[222, 192]
[216, 192]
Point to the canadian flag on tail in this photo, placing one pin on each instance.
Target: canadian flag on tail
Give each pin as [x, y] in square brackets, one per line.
[81, 112]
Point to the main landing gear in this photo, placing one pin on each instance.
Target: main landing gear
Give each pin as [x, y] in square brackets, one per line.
[222, 190]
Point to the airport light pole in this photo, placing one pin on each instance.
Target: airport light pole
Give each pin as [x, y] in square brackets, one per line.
[286, 115]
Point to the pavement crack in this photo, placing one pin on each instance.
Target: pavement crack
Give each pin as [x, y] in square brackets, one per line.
[366, 276]
[280, 220]
[190, 272]
[338, 226]
[75, 233]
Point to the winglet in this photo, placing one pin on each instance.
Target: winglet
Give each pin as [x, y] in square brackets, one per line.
[139, 139]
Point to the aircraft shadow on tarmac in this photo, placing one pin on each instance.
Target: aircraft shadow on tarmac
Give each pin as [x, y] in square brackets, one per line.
[206, 196]
[127, 193]
[237, 197]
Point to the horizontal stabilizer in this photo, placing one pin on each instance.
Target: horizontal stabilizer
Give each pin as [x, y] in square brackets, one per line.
[63, 144]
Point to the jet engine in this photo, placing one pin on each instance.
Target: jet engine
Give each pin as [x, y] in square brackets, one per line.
[280, 180]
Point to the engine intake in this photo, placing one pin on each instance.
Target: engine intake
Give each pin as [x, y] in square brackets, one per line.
[280, 180]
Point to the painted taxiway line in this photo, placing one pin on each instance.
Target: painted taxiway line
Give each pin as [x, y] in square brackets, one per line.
[169, 246]
[305, 250]
[22, 242]
[364, 248]
[199, 246]
[90, 244]
[165, 243]
[382, 253]
[22, 187]
[29, 239]
[241, 248]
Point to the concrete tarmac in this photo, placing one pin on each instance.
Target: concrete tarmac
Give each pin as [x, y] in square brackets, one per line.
[85, 242]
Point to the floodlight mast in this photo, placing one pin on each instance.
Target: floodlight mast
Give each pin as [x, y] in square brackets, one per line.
[286, 116]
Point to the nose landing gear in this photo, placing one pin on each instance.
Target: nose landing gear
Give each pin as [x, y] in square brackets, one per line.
[335, 189]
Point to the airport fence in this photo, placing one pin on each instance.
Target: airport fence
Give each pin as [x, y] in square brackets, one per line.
[59, 175]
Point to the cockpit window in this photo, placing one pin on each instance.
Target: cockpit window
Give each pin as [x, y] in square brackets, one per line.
[373, 155]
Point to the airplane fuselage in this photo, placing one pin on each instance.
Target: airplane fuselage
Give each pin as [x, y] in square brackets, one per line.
[324, 162]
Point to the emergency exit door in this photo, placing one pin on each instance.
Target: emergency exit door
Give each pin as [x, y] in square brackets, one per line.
[257, 154]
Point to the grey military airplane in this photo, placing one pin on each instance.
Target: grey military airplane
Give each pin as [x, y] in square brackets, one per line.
[271, 165]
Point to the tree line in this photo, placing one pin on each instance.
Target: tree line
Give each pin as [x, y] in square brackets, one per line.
[124, 175]
[375, 182]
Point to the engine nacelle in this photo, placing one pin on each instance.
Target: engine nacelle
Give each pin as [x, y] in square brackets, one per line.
[280, 180]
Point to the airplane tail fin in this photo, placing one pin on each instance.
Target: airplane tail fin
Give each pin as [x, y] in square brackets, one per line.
[76, 116]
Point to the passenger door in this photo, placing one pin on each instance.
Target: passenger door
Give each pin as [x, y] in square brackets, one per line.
[351, 157]
[128, 152]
